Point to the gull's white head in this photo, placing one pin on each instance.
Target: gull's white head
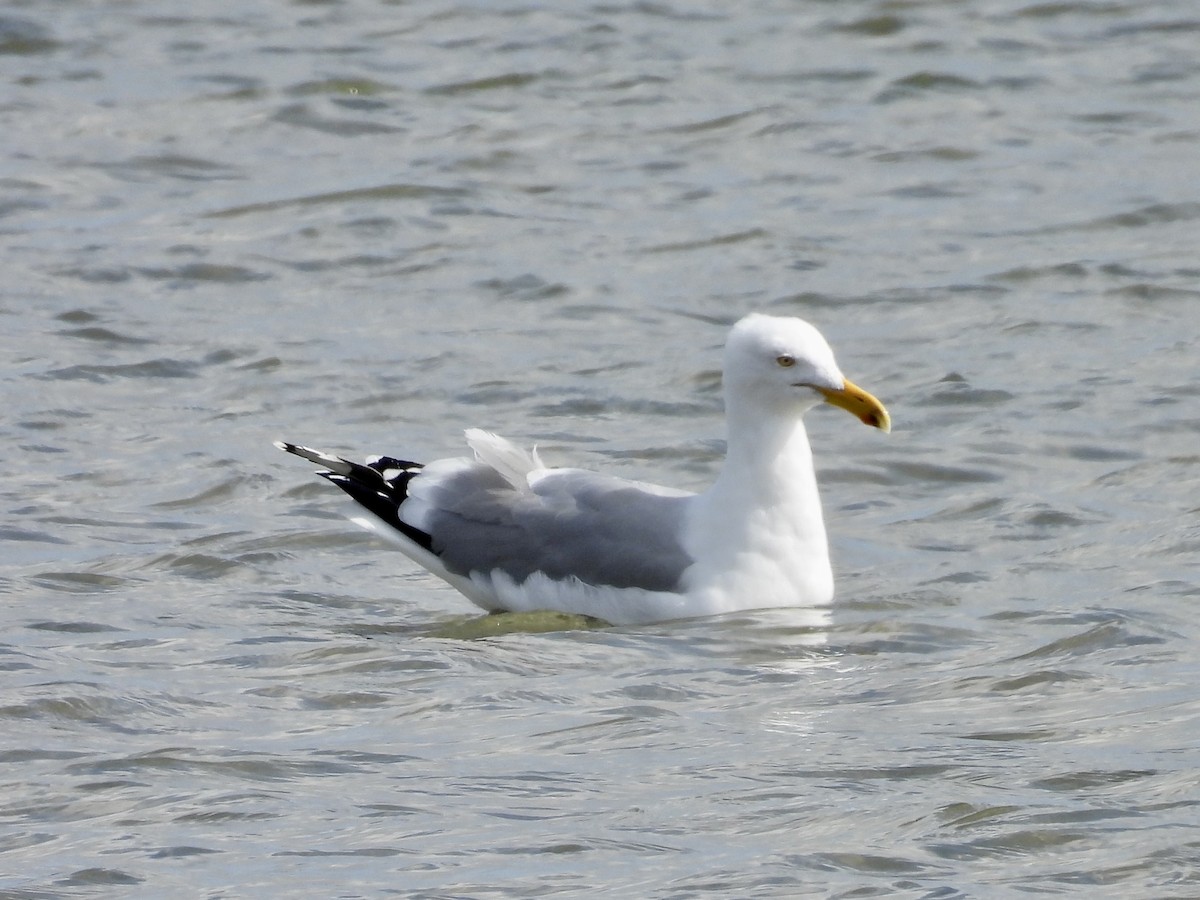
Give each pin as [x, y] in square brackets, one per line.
[786, 365]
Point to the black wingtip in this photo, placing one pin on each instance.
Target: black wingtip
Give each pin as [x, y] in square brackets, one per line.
[380, 487]
[382, 500]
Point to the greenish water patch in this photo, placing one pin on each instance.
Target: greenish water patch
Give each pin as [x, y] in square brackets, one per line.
[472, 628]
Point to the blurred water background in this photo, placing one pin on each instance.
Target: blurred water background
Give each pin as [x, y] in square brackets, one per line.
[370, 225]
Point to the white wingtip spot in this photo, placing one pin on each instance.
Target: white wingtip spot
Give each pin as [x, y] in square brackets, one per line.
[335, 463]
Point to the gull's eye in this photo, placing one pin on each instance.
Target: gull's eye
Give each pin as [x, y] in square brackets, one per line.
[786, 361]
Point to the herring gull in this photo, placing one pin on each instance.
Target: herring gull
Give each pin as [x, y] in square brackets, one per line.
[514, 535]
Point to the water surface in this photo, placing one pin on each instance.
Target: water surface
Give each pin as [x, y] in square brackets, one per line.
[370, 226]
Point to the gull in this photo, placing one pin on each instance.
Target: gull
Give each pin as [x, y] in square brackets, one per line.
[513, 534]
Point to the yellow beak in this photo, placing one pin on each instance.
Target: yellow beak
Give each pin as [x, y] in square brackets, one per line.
[860, 404]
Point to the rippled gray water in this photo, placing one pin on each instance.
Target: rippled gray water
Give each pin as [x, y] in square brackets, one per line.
[369, 226]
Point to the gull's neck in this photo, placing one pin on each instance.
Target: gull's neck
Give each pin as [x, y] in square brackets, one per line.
[768, 465]
[757, 535]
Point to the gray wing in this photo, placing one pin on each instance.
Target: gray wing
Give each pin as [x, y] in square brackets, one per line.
[599, 529]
